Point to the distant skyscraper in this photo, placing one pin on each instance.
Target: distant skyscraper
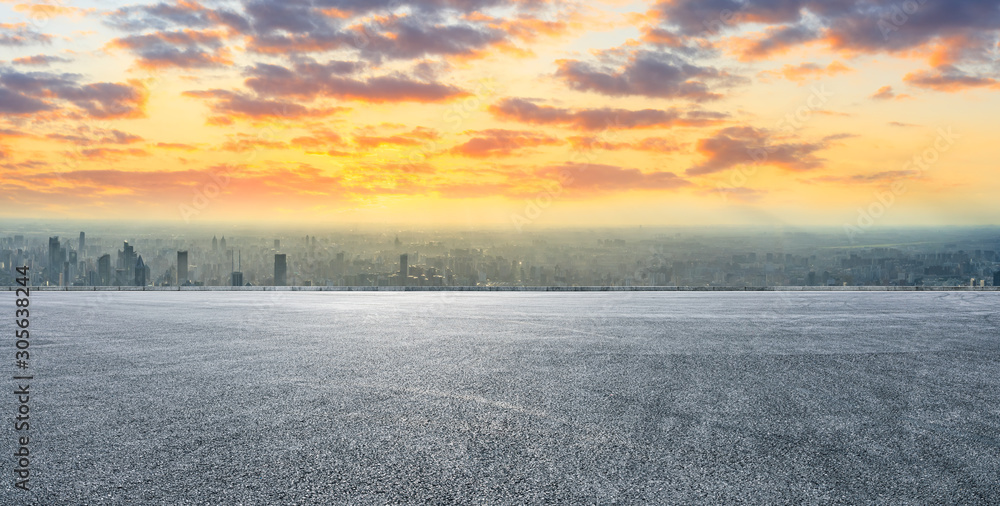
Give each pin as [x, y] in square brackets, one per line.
[128, 262]
[70, 268]
[277, 244]
[182, 267]
[237, 277]
[104, 270]
[140, 272]
[404, 269]
[280, 270]
[222, 243]
[215, 244]
[55, 263]
[996, 278]
[83, 243]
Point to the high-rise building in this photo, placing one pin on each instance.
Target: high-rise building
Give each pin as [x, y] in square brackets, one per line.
[338, 266]
[237, 276]
[104, 270]
[83, 242]
[182, 267]
[128, 262]
[55, 263]
[280, 270]
[70, 268]
[996, 278]
[215, 244]
[140, 272]
[277, 244]
[404, 269]
[222, 243]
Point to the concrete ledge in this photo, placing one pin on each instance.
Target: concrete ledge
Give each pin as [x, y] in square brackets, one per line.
[509, 288]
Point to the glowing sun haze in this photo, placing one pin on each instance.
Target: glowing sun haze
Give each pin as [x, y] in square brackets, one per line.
[486, 112]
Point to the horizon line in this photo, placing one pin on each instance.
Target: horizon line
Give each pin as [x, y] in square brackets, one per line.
[796, 288]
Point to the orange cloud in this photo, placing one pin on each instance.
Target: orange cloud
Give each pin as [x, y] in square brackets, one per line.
[499, 142]
[244, 142]
[949, 79]
[806, 71]
[109, 153]
[231, 105]
[176, 146]
[526, 111]
[654, 144]
[887, 93]
[416, 137]
[597, 178]
[180, 49]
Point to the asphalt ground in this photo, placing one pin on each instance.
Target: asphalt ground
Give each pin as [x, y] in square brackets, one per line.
[509, 398]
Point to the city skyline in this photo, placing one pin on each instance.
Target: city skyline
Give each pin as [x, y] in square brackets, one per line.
[557, 258]
[501, 113]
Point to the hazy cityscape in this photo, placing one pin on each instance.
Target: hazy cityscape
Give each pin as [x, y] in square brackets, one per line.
[106, 255]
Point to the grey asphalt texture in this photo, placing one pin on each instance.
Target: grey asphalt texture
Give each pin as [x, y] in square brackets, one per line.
[497, 398]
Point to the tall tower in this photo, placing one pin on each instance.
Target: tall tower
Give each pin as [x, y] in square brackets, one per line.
[404, 269]
[182, 267]
[140, 272]
[237, 274]
[128, 258]
[104, 270]
[215, 244]
[83, 243]
[280, 270]
[55, 263]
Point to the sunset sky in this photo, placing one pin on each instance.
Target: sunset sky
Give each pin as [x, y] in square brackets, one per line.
[525, 113]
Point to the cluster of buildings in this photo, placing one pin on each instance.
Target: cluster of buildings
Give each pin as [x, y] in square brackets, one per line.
[614, 257]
